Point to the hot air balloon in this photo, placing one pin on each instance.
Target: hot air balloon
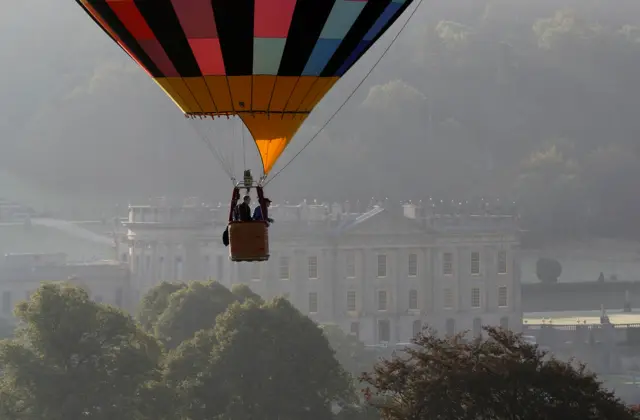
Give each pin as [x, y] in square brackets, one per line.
[268, 62]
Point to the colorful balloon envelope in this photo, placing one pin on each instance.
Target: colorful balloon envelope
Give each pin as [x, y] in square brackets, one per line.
[268, 62]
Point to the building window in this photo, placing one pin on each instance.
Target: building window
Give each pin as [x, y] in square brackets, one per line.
[384, 330]
[475, 263]
[413, 299]
[284, 268]
[313, 267]
[502, 297]
[447, 263]
[475, 297]
[447, 298]
[355, 329]
[504, 322]
[98, 299]
[477, 327]
[6, 303]
[147, 263]
[351, 301]
[451, 326]
[502, 262]
[382, 265]
[313, 302]
[350, 260]
[382, 300]
[417, 327]
[413, 265]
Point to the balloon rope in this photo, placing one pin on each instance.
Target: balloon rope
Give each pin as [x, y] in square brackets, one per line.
[244, 150]
[226, 167]
[419, 2]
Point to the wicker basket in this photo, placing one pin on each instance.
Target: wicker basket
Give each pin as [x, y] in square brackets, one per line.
[248, 241]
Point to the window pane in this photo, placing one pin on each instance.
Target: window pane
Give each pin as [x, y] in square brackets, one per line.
[502, 262]
[284, 268]
[413, 265]
[382, 265]
[313, 267]
[475, 297]
[447, 263]
[502, 296]
[413, 299]
[475, 263]
[382, 300]
[313, 302]
[351, 301]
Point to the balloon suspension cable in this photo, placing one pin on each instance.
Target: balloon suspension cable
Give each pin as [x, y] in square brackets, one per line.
[244, 150]
[353, 92]
[226, 166]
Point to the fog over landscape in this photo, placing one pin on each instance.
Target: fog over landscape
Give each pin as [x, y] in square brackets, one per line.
[476, 98]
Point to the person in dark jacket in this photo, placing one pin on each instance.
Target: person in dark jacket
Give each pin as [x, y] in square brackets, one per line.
[257, 212]
[243, 211]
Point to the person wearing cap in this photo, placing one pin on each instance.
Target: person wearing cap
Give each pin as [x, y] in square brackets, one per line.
[257, 212]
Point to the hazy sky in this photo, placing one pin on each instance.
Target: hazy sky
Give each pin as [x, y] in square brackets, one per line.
[80, 121]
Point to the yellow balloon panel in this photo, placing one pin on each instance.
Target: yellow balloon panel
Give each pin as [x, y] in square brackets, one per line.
[272, 107]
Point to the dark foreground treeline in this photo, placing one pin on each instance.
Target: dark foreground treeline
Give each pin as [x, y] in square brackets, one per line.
[200, 351]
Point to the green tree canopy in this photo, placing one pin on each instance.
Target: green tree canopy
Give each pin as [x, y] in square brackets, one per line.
[262, 360]
[191, 309]
[73, 358]
[155, 302]
[500, 377]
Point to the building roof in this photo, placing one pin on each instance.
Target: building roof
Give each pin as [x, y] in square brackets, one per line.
[49, 237]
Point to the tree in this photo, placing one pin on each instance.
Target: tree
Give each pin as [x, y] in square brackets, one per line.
[501, 377]
[349, 351]
[262, 360]
[244, 292]
[155, 302]
[610, 173]
[192, 309]
[73, 358]
[7, 328]
[550, 193]
[548, 270]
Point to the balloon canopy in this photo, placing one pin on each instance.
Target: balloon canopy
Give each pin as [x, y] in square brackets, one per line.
[267, 61]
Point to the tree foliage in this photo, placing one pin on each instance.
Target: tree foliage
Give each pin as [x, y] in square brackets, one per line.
[262, 360]
[155, 302]
[74, 358]
[191, 309]
[548, 270]
[500, 377]
[349, 351]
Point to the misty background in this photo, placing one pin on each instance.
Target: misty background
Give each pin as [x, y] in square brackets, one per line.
[533, 101]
